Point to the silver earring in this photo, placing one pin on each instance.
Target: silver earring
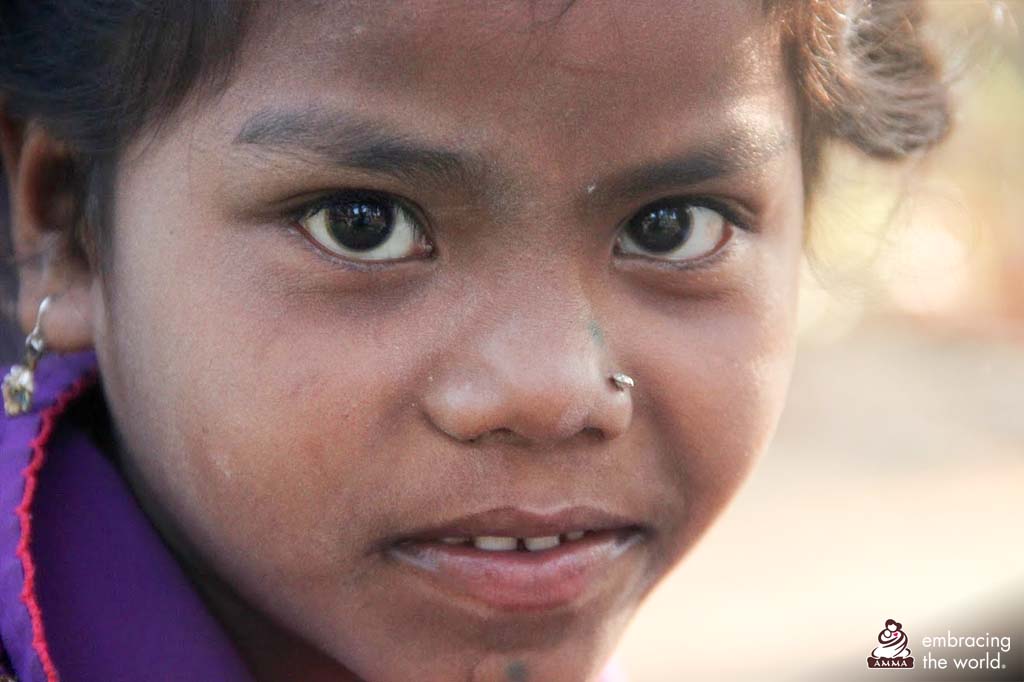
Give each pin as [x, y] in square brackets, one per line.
[622, 381]
[20, 383]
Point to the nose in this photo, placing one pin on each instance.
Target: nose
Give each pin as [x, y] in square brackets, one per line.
[538, 381]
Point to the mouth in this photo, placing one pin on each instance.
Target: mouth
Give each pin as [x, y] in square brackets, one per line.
[514, 560]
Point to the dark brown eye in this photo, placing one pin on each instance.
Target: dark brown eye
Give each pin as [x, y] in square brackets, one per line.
[661, 228]
[674, 230]
[366, 228]
[360, 225]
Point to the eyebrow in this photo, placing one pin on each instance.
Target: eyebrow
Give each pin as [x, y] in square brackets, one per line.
[741, 149]
[352, 141]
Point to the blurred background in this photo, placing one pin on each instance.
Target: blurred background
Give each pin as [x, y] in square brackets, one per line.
[895, 485]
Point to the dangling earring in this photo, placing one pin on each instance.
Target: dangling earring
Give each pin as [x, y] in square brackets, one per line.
[20, 384]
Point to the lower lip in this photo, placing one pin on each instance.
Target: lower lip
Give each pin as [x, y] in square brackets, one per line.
[520, 580]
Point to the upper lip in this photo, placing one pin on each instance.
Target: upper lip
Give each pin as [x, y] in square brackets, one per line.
[521, 523]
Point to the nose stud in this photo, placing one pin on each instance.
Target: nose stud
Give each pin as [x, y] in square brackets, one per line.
[622, 381]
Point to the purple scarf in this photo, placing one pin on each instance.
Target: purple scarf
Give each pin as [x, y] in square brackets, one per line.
[88, 591]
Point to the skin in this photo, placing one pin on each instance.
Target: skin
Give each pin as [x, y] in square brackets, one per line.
[281, 411]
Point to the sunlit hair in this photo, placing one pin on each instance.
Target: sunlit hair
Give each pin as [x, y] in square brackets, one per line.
[865, 76]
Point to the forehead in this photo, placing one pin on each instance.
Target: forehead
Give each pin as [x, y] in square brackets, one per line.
[555, 69]
[420, 44]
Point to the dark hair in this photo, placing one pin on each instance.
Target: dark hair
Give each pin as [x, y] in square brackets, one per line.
[95, 73]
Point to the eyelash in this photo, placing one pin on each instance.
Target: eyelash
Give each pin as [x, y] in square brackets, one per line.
[733, 215]
[304, 211]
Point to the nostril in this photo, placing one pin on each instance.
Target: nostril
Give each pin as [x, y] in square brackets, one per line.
[499, 434]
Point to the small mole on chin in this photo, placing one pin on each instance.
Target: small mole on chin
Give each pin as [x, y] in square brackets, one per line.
[516, 672]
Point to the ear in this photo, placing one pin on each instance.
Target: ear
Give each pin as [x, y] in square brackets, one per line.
[44, 210]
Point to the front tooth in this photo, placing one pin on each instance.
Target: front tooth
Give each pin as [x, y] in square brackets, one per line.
[574, 535]
[453, 541]
[492, 543]
[537, 544]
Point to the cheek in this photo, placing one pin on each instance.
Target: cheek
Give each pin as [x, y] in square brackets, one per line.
[254, 415]
[718, 371]
[290, 438]
[723, 401]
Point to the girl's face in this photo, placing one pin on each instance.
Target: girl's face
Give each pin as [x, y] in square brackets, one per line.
[372, 295]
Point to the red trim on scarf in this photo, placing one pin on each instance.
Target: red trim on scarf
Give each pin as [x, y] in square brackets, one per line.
[28, 593]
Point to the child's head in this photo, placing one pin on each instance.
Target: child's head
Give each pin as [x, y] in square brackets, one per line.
[357, 270]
